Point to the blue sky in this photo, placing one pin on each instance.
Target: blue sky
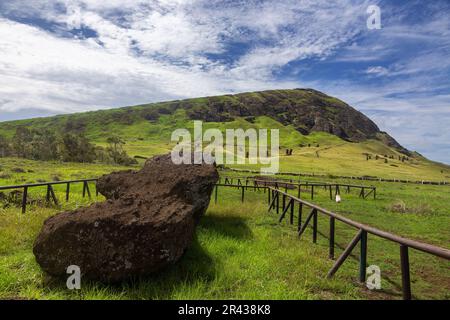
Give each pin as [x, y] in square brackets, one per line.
[65, 56]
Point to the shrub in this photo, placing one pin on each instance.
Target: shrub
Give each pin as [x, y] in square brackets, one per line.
[77, 148]
[401, 207]
[116, 152]
[5, 147]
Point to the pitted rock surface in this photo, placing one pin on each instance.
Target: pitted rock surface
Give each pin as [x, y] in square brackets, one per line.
[146, 223]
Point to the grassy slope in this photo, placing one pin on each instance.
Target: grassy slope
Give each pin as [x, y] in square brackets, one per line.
[336, 156]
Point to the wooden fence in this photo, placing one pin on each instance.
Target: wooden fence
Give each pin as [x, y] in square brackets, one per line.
[50, 196]
[333, 188]
[365, 178]
[284, 205]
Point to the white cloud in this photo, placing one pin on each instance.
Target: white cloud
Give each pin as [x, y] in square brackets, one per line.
[154, 50]
[157, 51]
[377, 71]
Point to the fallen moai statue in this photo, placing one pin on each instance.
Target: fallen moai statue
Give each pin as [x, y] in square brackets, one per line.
[146, 223]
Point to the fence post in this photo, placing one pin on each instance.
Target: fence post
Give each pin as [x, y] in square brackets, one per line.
[67, 191]
[47, 197]
[332, 225]
[315, 226]
[284, 201]
[24, 199]
[312, 192]
[278, 202]
[331, 193]
[243, 190]
[300, 212]
[86, 189]
[363, 257]
[406, 282]
[292, 211]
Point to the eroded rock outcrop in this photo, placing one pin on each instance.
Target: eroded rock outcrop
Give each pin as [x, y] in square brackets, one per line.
[147, 222]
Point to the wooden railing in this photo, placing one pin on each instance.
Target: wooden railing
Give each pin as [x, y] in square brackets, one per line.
[334, 188]
[284, 205]
[364, 178]
[50, 196]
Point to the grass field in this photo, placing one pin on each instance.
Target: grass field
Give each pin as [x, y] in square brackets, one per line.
[321, 152]
[240, 250]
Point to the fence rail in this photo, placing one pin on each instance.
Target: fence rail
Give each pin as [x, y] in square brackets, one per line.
[364, 178]
[334, 188]
[284, 204]
[50, 196]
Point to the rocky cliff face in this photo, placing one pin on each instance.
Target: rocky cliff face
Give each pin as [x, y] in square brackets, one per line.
[307, 110]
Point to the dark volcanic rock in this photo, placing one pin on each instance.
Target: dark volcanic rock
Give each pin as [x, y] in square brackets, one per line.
[307, 110]
[147, 222]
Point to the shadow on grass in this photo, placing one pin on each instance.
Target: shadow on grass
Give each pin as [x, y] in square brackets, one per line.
[227, 226]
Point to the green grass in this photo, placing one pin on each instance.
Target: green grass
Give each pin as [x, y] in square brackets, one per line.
[37, 171]
[242, 252]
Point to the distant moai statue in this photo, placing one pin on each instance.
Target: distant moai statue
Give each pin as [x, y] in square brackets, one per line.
[386, 160]
[309, 145]
[377, 157]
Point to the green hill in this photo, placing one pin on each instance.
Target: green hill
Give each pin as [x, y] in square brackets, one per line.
[326, 135]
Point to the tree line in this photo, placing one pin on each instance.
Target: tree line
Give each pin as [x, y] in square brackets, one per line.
[46, 145]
